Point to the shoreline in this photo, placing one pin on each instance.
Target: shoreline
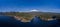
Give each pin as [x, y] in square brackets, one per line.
[21, 19]
[24, 19]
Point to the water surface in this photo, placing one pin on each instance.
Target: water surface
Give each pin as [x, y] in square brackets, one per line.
[10, 21]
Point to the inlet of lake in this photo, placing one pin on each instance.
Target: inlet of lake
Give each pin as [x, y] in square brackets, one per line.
[7, 21]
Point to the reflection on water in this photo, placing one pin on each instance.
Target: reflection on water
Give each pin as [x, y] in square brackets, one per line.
[10, 21]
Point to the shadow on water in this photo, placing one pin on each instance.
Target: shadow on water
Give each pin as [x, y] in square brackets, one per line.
[7, 21]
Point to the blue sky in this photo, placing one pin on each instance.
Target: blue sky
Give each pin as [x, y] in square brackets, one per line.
[27, 5]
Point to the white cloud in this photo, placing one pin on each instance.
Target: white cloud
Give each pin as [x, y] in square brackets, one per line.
[34, 10]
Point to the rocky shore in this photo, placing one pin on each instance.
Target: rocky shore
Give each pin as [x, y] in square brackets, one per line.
[29, 20]
[21, 19]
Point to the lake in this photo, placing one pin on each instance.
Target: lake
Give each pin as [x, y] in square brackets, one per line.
[7, 21]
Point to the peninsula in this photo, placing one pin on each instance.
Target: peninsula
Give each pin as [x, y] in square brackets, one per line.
[27, 16]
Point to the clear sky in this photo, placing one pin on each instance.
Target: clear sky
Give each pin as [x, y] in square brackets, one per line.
[27, 5]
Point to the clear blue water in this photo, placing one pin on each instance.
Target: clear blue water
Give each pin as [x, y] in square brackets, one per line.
[10, 21]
